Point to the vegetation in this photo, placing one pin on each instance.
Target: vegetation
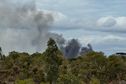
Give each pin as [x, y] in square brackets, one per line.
[51, 67]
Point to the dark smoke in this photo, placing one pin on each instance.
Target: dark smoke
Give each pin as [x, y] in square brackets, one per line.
[74, 49]
[87, 49]
[71, 50]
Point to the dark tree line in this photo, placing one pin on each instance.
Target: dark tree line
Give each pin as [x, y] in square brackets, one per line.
[51, 67]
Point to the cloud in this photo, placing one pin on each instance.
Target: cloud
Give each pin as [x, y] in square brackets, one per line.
[107, 42]
[18, 23]
[111, 39]
[92, 22]
[106, 22]
[111, 44]
[121, 22]
[110, 21]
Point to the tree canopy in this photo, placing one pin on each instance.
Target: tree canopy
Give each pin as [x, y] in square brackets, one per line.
[51, 67]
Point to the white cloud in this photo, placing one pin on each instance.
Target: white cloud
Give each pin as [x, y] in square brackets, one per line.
[111, 39]
[121, 21]
[110, 21]
[106, 21]
[108, 43]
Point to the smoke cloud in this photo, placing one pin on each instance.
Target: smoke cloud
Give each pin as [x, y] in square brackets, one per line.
[85, 50]
[72, 48]
[23, 27]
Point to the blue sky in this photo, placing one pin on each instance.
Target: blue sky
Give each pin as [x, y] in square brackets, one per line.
[99, 22]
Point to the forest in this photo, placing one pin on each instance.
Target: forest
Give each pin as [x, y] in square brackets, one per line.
[52, 67]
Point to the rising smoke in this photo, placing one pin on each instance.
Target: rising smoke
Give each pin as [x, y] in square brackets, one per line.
[73, 49]
[85, 50]
[23, 27]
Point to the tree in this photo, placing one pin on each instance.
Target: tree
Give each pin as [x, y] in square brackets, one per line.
[92, 64]
[54, 60]
[116, 68]
[69, 78]
[2, 57]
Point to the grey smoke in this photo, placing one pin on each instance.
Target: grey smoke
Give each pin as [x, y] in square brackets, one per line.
[58, 38]
[23, 27]
[71, 50]
[85, 50]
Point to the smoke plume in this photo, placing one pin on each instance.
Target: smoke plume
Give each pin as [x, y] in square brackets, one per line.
[85, 50]
[72, 48]
[23, 27]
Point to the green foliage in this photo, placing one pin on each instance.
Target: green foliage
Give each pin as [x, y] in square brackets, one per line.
[51, 67]
[94, 81]
[69, 79]
[54, 60]
[27, 81]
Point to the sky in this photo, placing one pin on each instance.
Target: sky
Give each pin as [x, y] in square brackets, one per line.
[102, 23]
[99, 22]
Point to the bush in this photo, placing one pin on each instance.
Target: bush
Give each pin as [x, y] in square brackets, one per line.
[94, 81]
[27, 81]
